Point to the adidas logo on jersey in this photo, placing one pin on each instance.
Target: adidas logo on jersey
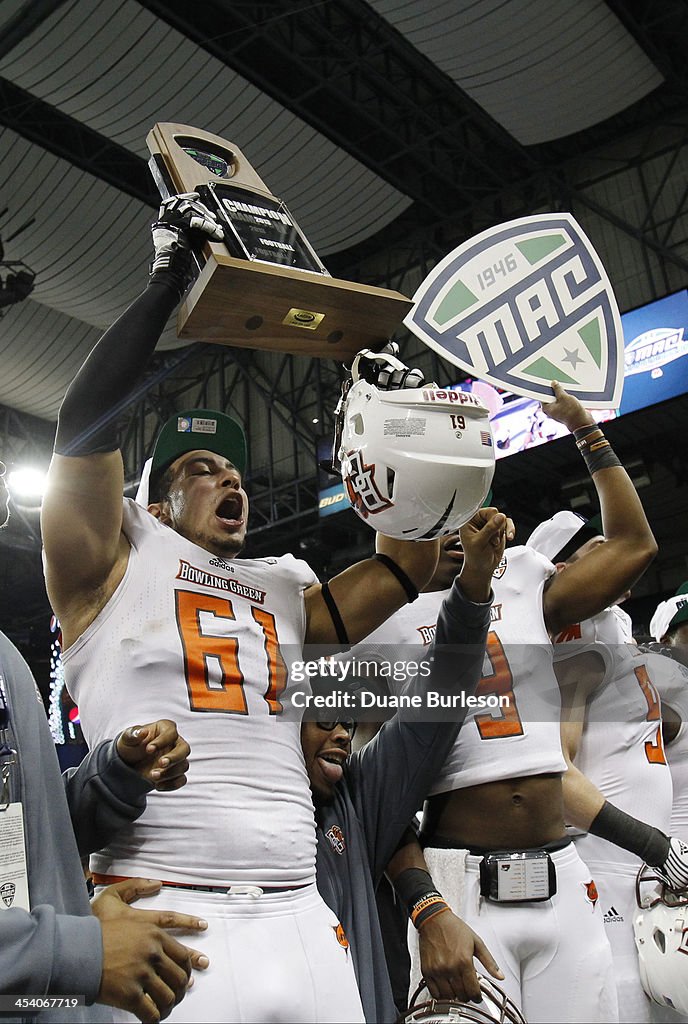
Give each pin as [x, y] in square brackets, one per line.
[220, 563]
[612, 916]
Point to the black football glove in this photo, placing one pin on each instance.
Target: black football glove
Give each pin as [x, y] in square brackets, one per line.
[183, 224]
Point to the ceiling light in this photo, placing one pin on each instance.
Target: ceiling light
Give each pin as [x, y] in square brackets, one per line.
[27, 483]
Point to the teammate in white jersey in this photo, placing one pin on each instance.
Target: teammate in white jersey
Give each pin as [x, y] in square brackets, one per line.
[668, 659]
[156, 613]
[670, 679]
[618, 786]
[652, 727]
[612, 740]
[669, 627]
[502, 790]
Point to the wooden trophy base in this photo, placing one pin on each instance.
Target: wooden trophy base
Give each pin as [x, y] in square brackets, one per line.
[248, 304]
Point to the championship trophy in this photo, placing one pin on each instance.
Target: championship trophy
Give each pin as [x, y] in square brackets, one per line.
[264, 286]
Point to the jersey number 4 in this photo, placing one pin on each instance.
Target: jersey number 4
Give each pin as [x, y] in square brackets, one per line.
[222, 688]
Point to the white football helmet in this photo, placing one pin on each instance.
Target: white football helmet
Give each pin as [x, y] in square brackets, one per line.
[495, 1006]
[660, 926]
[416, 463]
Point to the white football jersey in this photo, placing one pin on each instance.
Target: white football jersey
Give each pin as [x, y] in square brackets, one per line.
[671, 681]
[207, 643]
[621, 749]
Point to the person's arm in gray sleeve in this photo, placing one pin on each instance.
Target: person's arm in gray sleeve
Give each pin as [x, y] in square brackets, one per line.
[43, 953]
[391, 776]
[108, 790]
[103, 794]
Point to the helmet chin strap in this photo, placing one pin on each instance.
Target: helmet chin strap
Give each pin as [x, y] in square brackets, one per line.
[335, 460]
[370, 356]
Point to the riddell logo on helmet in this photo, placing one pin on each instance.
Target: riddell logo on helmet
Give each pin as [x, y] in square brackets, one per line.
[461, 397]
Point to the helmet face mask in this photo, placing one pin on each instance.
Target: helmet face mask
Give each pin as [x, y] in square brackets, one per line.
[660, 926]
[416, 463]
[495, 1006]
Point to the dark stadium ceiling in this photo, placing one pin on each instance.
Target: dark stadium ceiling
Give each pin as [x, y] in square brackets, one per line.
[393, 128]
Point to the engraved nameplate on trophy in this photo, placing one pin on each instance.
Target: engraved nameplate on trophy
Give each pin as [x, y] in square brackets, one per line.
[264, 286]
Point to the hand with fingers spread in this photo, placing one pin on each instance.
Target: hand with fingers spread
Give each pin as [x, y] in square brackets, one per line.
[447, 948]
[145, 970]
[157, 752]
[483, 539]
[566, 409]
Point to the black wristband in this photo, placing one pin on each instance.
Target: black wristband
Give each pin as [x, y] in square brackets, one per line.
[617, 827]
[339, 627]
[417, 891]
[411, 884]
[599, 454]
[410, 589]
[582, 432]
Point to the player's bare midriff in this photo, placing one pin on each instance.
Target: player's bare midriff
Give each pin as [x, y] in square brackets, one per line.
[511, 814]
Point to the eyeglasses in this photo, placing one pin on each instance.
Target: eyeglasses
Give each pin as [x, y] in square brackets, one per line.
[347, 723]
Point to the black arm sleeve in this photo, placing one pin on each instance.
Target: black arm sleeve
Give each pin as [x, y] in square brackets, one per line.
[645, 841]
[86, 422]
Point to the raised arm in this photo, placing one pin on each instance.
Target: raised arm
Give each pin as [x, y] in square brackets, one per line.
[601, 576]
[447, 945]
[81, 521]
[366, 594]
[389, 778]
